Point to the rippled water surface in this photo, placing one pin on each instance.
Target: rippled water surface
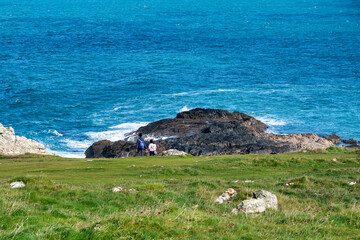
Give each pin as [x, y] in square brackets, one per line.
[73, 72]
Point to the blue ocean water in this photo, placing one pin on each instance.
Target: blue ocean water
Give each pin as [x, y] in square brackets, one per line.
[73, 72]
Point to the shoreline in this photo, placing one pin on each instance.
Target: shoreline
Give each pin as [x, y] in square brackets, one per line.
[128, 129]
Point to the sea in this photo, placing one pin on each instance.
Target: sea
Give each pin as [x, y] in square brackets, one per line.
[75, 72]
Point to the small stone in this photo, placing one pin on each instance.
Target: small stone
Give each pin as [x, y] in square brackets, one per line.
[89, 160]
[249, 181]
[334, 160]
[118, 189]
[19, 184]
[132, 190]
[236, 181]
[226, 195]
[172, 152]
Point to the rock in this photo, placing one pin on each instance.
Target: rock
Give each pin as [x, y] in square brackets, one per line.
[270, 199]
[118, 149]
[118, 189]
[249, 181]
[261, 201]
[226, 195]
[250, 206]
[195, 121]
[211, 132]
[351, 141]
[172, 152]
[19, 184]
[334, 160]
[336, 139]
[301, 141]
[288, 184]
[354, 146]
[11, 144]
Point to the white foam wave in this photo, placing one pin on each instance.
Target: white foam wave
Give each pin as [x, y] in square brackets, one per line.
[191, 93]
[54, 132]
[79, 145]
[270, 131]
[112, 135]
[184, 109]
[120, 107]
[70, 154]
[129, 126]
[118, 132]
[271, 121]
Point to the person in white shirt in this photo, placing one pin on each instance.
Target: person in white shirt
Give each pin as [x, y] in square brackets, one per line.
[152, 148]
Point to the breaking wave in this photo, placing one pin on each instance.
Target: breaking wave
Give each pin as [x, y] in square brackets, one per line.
[271, 121]
[184, 109]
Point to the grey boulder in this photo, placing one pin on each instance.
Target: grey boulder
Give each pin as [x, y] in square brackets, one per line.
[261, 201]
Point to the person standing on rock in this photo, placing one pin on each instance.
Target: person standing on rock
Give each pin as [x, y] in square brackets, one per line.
[140, 145]
[152, 148]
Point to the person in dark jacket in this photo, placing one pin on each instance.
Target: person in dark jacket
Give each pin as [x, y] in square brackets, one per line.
[140, 145]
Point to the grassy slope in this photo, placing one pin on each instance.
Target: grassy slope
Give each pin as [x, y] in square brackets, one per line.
[72, 198]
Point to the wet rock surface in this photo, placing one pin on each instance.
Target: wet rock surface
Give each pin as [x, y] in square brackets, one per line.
[351, 141]
[354, 146]
[336, 139]
[211, 132]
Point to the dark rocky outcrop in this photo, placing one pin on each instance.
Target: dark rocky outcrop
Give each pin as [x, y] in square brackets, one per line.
[211, 132]
[196, 121]
[336, 139]
[351, 141]
[108, 149]
[353, 146]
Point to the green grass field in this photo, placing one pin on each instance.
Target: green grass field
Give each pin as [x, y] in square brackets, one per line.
[73, 199]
